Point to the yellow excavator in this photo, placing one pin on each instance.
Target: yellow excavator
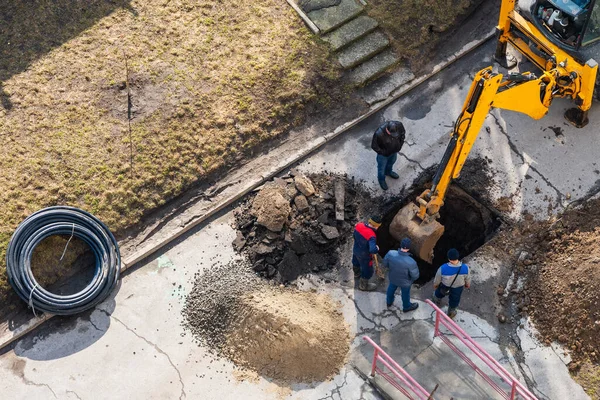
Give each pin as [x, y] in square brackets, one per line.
[561, 38]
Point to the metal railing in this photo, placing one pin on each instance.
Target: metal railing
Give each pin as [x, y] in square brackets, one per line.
[397, 377]
[516, 388]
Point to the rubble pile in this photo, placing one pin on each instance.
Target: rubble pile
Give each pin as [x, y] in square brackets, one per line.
[295, 224]
[214, 302]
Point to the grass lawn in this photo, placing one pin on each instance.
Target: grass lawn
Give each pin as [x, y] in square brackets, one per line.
[209, 82]
[416, 27]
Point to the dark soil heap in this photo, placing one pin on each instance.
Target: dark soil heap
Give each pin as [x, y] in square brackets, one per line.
[561, 263]
[289, 228]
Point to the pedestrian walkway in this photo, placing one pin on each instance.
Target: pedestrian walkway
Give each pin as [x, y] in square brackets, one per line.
[431, 362]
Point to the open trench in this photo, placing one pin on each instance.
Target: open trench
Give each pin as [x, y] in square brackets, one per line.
[468, 225]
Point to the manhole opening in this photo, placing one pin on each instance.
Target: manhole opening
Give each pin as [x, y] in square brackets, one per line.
[69, 275]
[468, 225]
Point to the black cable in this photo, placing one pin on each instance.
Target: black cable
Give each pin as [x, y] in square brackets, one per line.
[62, 220]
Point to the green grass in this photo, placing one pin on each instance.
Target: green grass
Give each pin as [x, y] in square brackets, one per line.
[210, 81]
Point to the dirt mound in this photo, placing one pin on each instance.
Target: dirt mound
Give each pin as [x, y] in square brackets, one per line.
[289, 336]
[560, 261]
[280, 333]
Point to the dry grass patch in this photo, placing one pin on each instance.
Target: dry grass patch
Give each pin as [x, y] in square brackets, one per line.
[415, 27]
[210, 81]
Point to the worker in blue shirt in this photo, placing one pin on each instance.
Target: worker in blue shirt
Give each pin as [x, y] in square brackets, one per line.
[450, 280]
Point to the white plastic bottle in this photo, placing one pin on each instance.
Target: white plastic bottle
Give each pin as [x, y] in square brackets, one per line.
[555, 16]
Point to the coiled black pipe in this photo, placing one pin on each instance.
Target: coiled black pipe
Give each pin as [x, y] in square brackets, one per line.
[62, 220]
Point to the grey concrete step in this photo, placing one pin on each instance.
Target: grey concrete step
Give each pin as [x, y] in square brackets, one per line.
[374, 67]
[329, 18]
[350, 31]
[381, 89]
[363, 49]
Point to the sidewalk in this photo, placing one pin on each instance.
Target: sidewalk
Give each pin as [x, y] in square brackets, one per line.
[431, 362]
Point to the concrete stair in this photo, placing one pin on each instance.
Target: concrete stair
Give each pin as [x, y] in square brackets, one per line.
[329, 18]
[363, 49]
[360, 46]
[374, 67]
[349, 32]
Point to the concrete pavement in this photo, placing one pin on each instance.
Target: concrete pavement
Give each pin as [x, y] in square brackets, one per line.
[133, 346]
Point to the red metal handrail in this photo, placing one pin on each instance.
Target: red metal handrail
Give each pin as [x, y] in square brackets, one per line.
[516, 387]
[397, 371]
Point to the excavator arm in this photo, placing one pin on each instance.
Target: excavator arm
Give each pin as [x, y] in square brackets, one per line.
[524, 93]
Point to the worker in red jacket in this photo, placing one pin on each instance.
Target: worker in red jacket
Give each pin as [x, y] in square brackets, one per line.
[365, 248]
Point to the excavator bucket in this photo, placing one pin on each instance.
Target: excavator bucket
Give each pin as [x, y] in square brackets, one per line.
[423, 235]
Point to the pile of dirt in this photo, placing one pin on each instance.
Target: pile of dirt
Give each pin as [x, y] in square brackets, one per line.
[559, 263]
[290, 336]
[291, 226]
[280, 333]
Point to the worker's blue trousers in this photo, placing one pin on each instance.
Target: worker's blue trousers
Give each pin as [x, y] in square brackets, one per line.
[365, 265]
[385, 165]
[453, 297]
[404, 290]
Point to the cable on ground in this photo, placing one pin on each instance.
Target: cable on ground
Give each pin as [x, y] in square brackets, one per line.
[62, 220]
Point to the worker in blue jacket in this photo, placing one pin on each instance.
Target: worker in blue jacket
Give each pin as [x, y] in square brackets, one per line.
[450, 280]
[403, 271]
[365, 248]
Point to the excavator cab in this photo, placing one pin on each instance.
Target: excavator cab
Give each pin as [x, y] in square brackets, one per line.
[568, 23]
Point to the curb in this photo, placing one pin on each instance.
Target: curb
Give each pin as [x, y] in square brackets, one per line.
[311, 146]
[304, 17]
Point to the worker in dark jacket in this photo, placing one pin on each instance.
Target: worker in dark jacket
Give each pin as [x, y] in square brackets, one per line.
[365, 248]
[387, 142]
[403, 271]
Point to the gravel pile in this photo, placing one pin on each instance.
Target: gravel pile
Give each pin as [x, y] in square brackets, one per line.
[215, 301]
[281, 333]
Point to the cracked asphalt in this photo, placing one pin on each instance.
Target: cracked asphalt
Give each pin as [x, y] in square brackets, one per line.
[133, 346]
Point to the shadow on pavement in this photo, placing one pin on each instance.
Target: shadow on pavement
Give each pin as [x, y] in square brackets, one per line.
[63, 336]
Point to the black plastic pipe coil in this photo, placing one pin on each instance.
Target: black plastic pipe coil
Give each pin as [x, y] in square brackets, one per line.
[62, 220]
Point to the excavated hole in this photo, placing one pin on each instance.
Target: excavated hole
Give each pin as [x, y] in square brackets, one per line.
[468, 225]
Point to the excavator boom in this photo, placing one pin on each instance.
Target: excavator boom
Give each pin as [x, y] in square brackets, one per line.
[524, 93]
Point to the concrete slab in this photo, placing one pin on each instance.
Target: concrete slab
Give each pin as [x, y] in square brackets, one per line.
[381, 89]
[327, 19]
[430, 362]
[363, 49]
[377, 65]
[350, 31]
